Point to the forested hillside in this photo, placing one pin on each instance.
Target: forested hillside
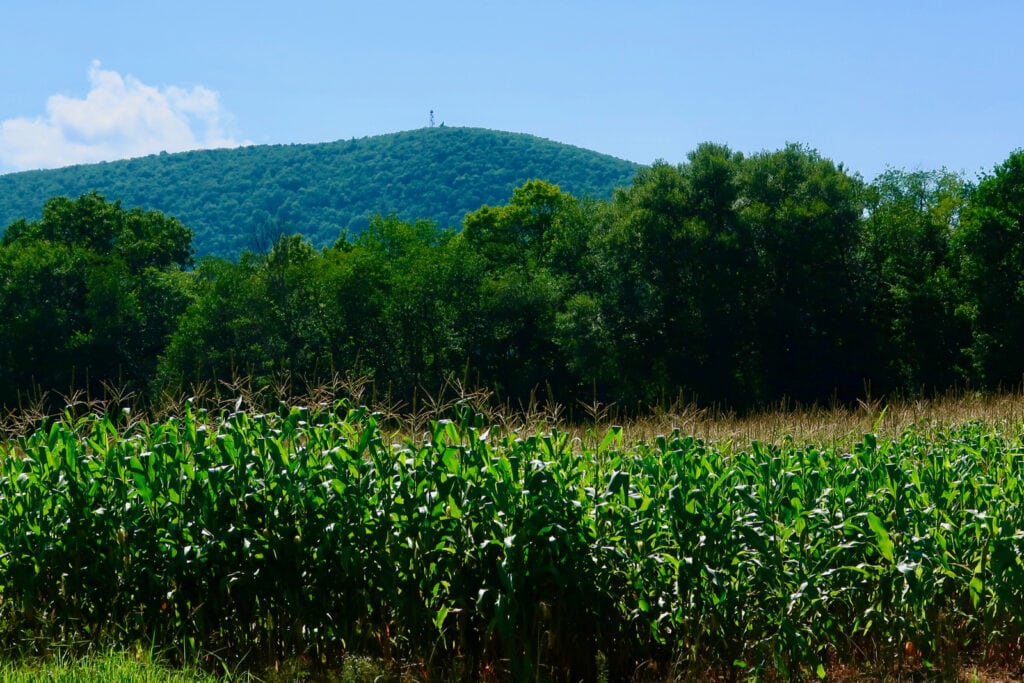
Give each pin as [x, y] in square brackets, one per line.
[236, 199]
[732, 279]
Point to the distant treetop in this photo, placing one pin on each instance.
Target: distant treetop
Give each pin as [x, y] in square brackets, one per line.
[244, 198]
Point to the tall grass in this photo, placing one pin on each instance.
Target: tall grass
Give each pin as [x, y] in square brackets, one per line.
[97, 668]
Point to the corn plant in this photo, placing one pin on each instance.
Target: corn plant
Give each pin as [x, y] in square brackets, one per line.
[312, 532]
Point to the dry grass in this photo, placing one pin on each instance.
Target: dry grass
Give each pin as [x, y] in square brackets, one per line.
[835, 425]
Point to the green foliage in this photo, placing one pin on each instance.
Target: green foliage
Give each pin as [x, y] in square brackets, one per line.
[230, 326]
[727, 279]
[405, 291]
[804, 213]
[522, 246]
[246, 198]
[99, 668]
[395, 302]
[991, 250]
[405, 302]
[911, 269]
[307, 532]
[734, 279]
[89, 294]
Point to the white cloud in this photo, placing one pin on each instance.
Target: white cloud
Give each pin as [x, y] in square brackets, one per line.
[121, 117]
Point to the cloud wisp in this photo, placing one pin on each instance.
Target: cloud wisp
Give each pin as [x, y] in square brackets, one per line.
[121, 117]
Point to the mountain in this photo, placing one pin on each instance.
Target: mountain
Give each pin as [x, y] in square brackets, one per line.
[242, 198]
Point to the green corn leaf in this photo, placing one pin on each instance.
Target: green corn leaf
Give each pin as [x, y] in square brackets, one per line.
[881, 536]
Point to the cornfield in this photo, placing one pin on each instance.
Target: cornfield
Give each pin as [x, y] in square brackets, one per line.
[463, 551]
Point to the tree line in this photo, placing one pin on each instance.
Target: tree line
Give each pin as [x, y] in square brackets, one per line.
[242, 198]
[732, 279]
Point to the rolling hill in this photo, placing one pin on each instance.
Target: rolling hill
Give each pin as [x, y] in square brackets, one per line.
[242, 198]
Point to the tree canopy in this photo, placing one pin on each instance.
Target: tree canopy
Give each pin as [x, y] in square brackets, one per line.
[245, 198]
[733, 279]
[88, 294]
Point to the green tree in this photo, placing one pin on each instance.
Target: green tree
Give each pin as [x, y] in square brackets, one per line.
[42, 295]
[293, 281]
[245, 198]
[677, 286]
[805, 215]
[728, 290]
[230, 328]
[910, 271]
[89, 294]
[142, 239]
[265, 317]
[402, 289]
[645, 284]
[523, 246]
[991, 248]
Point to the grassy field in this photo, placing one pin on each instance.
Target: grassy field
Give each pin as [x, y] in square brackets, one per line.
[107, 667]
[331, 541]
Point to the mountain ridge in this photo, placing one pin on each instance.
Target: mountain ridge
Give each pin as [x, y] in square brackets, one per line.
[242, 198]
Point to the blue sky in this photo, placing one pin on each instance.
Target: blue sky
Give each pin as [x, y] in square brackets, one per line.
[869, 83]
